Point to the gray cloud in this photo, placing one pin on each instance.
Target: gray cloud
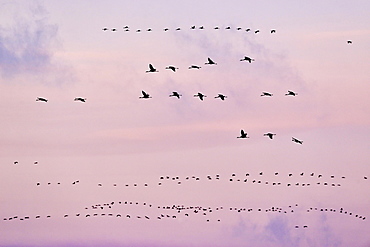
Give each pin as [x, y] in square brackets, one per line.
[28, 44]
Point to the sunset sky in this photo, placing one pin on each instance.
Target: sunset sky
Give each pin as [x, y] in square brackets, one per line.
[115, 147]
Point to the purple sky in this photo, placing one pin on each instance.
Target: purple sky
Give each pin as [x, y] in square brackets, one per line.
[58, 50]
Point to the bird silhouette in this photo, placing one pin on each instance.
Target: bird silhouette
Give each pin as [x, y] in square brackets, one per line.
[16, 162]
[243, 134]
[200, 95]
[291, 93]
[41, 99]
[151, 69]
[297, 141]
[114, 29]
[149, 30]
[175, 94]
[80, 99]
[178, 29]
[270, 135]
[201, 27]
[248, 59]
[210, 62]
[216, 28]
[349, 41]
[192, 27]
[138, 31]
[105, 29]
[239, 28]
[273, 31]
[227, 28]
[166, 29]
[266, 94]
[221, 96]
[145, 95]
[247, 30]
[173, 68]
[257, 31]
[194, 67]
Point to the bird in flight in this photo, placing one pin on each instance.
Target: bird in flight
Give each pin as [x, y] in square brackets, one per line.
[105, 29]
[216, 28]
[192, 27]
[173, 68]
[166, 29]
[227, 28]
[270, 135]
[114, 29]
[297, 141]
[257, 31]
[201, 27]
[200, 95]
[80, 99]
[175, 94]
[248, 29]
[41, 99]
[273, 31]
[291, 93]
[178, 29]
[221, 96]
[248, 59]
[151, 69]
[349, 41]
[145, 95]
[210, 62]
[243, 134]
[266, 94]
[194, 67]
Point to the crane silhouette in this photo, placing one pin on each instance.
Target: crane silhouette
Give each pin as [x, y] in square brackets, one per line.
[221, 96]
[297, 141]
[200, 95]
[194, 67]
[41, 99]
[291, 93]
[210, 62]
[270, 135]
[151, 69]
[80, 99]
[173, 68]
[248, 59]
[145, 95]
[266, 94]
[175, 94]
[243, 134]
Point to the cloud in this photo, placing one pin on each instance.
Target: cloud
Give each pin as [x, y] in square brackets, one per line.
[28, 43]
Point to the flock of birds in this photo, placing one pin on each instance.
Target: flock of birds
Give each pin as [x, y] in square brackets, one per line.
[304, 180]
[127, 29]
[181, 211]
[178, 211]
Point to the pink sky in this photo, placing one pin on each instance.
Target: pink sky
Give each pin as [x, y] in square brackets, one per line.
[58, 51]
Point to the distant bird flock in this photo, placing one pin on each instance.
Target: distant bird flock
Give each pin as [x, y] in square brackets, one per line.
[166, 29]
[209, 214]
